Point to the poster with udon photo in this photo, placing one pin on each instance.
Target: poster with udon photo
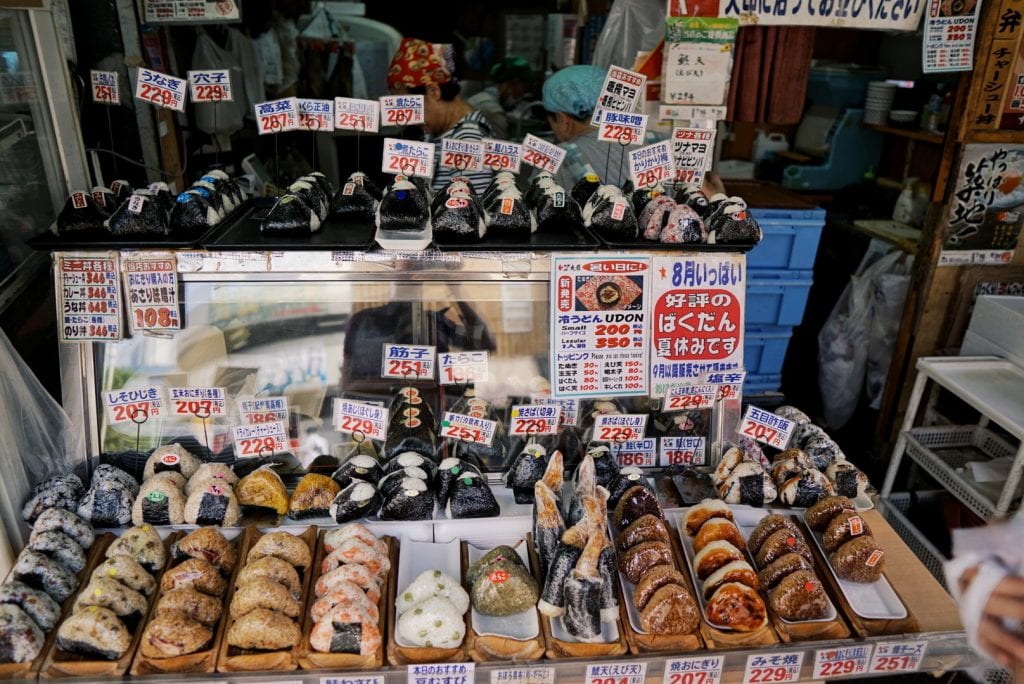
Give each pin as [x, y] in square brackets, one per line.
[986, 210]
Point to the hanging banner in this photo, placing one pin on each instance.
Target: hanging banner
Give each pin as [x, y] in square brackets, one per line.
[985, 214]
[599, 330]
[151, 284]
[692, 151]
[88, 288]
[698, 60]
[191, 11]
[899, 15]
[697, 317]
[104, 87]
[949, 30]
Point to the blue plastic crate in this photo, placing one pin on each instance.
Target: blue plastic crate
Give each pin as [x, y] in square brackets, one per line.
[761, 384]
[764, 349]
[777, 297]
[790, 238]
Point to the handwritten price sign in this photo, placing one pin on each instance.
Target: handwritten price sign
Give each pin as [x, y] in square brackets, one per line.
[201, 402]
[624, 128]
[619, 427]
[408, 158]
[689, 397]
[468, 428]
[134, 405]
[401, 110]
[773, 668]
[501, 155]
[369, 420]
[211, 85]
[160, 89]
[462, 155]
[104, 87]
[541, 154]
[892, 657]
[682, 451]
[832, 663]
[535, 419]
[460, 368]
[351, 114]
[263, 410]
[408, 361]
[265, 439]
[152, 290]
[651, 165]
[642, 453]
[277, 116]
[698, 670]
[766, 427]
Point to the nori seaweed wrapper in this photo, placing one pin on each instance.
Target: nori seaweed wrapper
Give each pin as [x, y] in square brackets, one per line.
[412, 503]
[585, 187]
[163, 195]
[140, 215]
[696, 200]
[562, 563]
[212, 509]
[471, 497]
[192, 212]
[557, 212]
[122, 190]
[638, 199]
[80, 215]
[448, 471]
[353, 202]
[155, 509]
[459, 219]
[527, 468]
[215, 196]
[508, 216]
[538, 187]
[105, 200]
[654, 216]
[321, 182]
[411, 434]
[311, 194]
[502, 181]
[613, 218]
[362, 180]
[403, 207]
[290, 215]
[346, 637]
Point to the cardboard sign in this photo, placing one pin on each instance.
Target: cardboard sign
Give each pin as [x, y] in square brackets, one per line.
[212, 85]
[362, 116]
[277, 116]
[401, 110]
[622, 128]
[151, 284]
[105, 89]
[88, 290]
[501, 155]
[408, 158]
[621, 92]
[316, 115]
[651, 165]
[541, 154]
[160, 89]
[369, 420]
[408, 361]
[135, 405]
[462, 155]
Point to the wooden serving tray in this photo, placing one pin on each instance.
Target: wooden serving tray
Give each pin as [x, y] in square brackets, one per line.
[29, 670]
[310, 659]
[203, 661]
[233, 659]
[60, 663]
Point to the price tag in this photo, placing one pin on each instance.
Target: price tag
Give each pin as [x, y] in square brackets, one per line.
[523, 675]
[642, 453]
[263, 410]
[692, 150]
[621, 92]
[362, 116]
[771, 668]
[697, 670]
[651, 165]
[623, 128]
[212, 85]
[896, 656]
[541, 154]
[442, 673]
[105, 89]
[351, 417]
[730, 383]
[682, 451]
[316, 115]
[408, 158]
[277, 116]
[401, 110]
[88, 297]
[460, 368]
[408, 361]
[361, 679]
[201, 402]
[535, 419]
[691, 113]
[468, 428]
[264, 439]
[619, 427]
[831, 663]
[570, 407]
[152, 286]
[160, 89]
[689, 397]
[462, 155]
[766, 427]
[138, 404]
[616, 673]
[502, 155]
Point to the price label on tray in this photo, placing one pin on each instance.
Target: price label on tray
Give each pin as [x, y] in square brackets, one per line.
[897, 656]
[316, 115]
[619, 427]
[160, 89]
[370, 420]
[211, 85]
[401, 110]
[697, 670]
[523, 675]
[468, 428]
[771, 668]
[459, 368]
[408, 361]
[535, 419]
[362, 679]
[651, 165]
[351, 114]
[105, 89]
[152, 290]
[136, 405]
[541, 154]
[442, 673]
[277, 116]
[502, 155]
[766, 427]
[623, 128]
[408, 157]
[462, 155]
[831, 663]
[682, 451]
[642, 453]
[616, 673]
[265, 439]
[200, 402]
[263, 410]
[689, 397]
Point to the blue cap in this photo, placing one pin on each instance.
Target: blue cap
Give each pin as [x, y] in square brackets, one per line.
[574, 90]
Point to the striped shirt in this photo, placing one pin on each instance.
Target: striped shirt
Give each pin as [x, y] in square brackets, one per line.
[473, 127]
[610, 161]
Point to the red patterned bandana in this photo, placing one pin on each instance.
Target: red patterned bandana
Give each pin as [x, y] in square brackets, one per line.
[417, 63]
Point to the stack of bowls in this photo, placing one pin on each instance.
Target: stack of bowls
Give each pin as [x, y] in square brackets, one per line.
[879, 102]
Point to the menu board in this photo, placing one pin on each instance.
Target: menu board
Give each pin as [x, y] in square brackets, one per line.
[88, 288]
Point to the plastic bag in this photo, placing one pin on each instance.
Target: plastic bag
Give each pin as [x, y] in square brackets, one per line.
[633, 26]
[222, 117]
[889, 292]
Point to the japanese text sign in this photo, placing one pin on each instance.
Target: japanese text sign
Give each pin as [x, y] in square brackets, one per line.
[636, 452]
[832, 663]
[631, 672]
[263, 410]
[88, 290]
[523, 675]
[134, 405]
[696, 670]
[362, 116]
[401, 110]
[408, 158]
[260, 440]
[152, 288]
[542, 154]
[570, 407]
[460, 368]
[502, 155]
[316, 115]
[441, 673]
[689, 397]
[160, 89]
[651, 165]
[277, 116]
[408, 361]
[624, 128]
[201, 402]
[949, 32]
[468, 428]
[211, 85]
[766, 427]
[692, 150]
[535, 419]
[773, 667]
[462, 155]
[619, 427]
[369, 420]
[621, 91]
[682, 451]
[897, 657]
[105, 88]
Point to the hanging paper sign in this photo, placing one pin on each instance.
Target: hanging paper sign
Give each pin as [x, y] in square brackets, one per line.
[277, 116]
[642, 453]
[624, 128]
[441, 673]
[316, 115]
[619, 427]
[468, 428]
[201, 402]
[633, 672]
[263, 439]
[692, 150]
[211, 85]
[152, 287]
[599, 326]
[773, 667]
[696, 670]
[689, 397]
[263, 410]
[844, 14]
[897, 656]
[362, 116]
[191, 11]
[408, 158]
[832, 663]
[462, 155]
[160, 89]
[621, 92]
[949, 32]
[501, 155]
[698, 60]
[88, 290]
[697, 319]
[401, 110]
[535, 419]
[370, 420]
[460, 368]
[682, 451]
[104, 87]
[542, 154]
[766, 427]
[651, 165]
[408, 361]
[135, 405]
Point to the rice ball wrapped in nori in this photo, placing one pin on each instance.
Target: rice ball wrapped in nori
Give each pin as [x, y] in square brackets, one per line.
[457, 187]
[638, 199]
[411, 501]
[538, 187]
[585, 187]
[104, 199]
[503, 180]
[471, 497]
[403, 207]
[122, 190]
[358, 467]
[163, 195]
[192, 211]
[214, 504]
[363, 181]
[508, 216]
[358, 500]
[140, 215]
[423, 185]
[290, 214]
[609, 214]
[654, 215]
[557, 212]
[459, 219]
[107, 503]
[159, 503]
[312, 195]
[683, 226]
[80, 214]
[321, 181]
[218, 200]
[353, 202]
[106, 473]
[173, 458]
[694, 198]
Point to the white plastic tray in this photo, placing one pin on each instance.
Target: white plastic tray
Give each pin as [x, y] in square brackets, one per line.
[522, 626]
[416, 557]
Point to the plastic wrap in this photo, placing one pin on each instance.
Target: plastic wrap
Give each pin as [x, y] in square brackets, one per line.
[632, 26]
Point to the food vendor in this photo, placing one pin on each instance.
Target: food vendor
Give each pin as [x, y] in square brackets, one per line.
[422, 68]
[511, 81]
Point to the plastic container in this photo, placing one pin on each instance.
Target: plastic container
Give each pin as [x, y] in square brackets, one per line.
[839, 86]
[790, 238]
[777, 297]
[769, 143]
[761, 384]
[764, 349]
